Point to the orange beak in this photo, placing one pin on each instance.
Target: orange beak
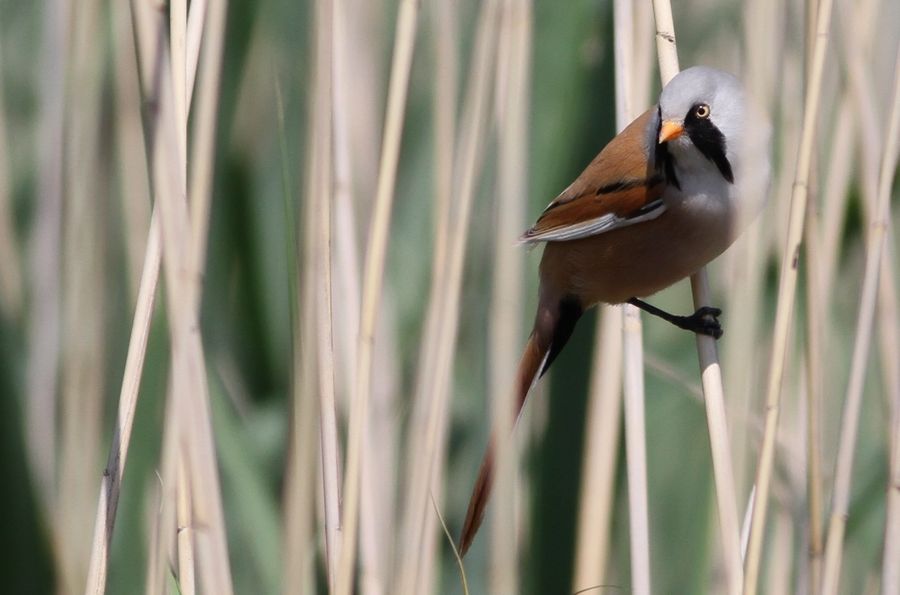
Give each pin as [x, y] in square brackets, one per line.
[670, 131]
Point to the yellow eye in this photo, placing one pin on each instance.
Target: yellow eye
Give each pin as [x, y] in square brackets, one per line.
[702, 111]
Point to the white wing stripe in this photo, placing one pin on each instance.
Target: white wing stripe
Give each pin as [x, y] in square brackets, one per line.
[595, 226]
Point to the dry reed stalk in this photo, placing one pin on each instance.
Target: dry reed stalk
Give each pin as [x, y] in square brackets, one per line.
[857, 56]
[135, 186]
[890, 561]
[163, 562]
[429, 570]
[83, 282]
[212, 27]
[511, 96]
[781, 556]
[786, 295]
[605, 399]
[632, 346]
[600, 450]
[178, 10]
[111, 481]
[300, 486]
[187, 583]
[375, 480]
[740, 344]
[44, 261]
[190, 389]
[446, 32]
[346, 245]
[853, 401]
[723, 473]
[443, 19]
[319, 259]
[196, 23]
[10, 269]
[467, 162]
[300, 475]
[153, 513]
[635, 449]
[745, 276]
[711, 374]
[816, 321]
[373, 279]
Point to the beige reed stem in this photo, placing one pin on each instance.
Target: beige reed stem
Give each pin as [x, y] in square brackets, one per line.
[711, 373]
[373, 278]
[632, 346]
[786, 295]
[506, 302]
[853, 400]
[467, 163]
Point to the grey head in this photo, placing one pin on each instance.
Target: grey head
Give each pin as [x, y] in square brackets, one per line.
[699, 121]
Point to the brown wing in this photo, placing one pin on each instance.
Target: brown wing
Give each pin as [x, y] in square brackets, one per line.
[618, 188]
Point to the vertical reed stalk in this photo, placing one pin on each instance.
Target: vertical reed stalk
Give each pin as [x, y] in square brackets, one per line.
[781, 556]
[187, 582]
[373, 278]
[870, 142]
[111, 481]
[636, 447]
[786, 295]
[203, 157]
[44, 260]
[212, 27]
[853, 400]
[83, 282]
[468, 159]
[190, 389]
[318, 258]
[511, 96]
[815, 322]
[723, 474]
[600, 450]
[890, 560]
[633, 350]
[707, 353]
[178, 10]
[375, 481]
[135, 186]
[443, 20]
[196, 22]
[301, 468]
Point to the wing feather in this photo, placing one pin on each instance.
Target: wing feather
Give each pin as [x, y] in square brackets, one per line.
[620, 187]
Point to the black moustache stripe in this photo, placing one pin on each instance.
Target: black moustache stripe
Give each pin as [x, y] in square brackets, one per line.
[710, 141]
[665, 162]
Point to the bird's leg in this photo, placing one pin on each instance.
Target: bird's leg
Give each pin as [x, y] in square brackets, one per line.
[703, 322]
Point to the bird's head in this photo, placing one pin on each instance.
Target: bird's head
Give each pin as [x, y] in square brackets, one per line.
[700, 120]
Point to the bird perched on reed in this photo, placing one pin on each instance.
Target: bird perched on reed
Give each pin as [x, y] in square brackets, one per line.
[666, 196]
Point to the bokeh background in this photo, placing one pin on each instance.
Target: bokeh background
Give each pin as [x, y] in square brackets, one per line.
[75, 202]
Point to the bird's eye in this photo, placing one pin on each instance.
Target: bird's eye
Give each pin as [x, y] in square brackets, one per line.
[702, 111]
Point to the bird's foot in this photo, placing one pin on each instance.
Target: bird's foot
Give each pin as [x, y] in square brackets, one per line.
[704, 321]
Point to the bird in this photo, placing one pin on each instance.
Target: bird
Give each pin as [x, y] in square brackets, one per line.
[666, 196]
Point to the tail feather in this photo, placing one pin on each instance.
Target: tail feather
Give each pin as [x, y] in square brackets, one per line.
[552, 328]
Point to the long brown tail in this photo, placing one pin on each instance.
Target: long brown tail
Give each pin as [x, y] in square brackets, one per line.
[553, 326]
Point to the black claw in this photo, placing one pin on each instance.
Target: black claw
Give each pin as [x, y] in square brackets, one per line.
[703, 322]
